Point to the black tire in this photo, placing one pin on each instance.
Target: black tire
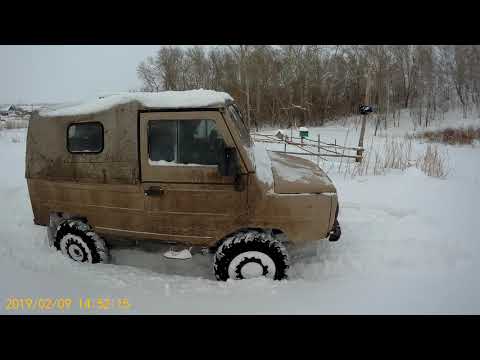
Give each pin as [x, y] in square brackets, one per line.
[77, 240]
[248, 247]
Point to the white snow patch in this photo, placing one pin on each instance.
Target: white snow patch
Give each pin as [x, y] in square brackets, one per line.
[263, 165]
[164, 99]
[409, 245]
[296, 173]
[172, 163]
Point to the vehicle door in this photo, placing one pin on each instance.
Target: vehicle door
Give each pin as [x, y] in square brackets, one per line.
[187, 199]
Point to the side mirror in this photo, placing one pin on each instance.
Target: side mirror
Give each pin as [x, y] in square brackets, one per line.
[227, 165]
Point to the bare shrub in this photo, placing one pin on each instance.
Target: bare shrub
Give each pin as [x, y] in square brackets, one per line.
[397, 153]
[432, 162]
[459, 136]
[393, 153]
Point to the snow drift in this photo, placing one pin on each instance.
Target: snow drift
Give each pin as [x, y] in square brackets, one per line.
[409, 245]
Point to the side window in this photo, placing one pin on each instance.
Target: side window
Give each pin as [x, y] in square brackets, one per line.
[162, 140]
[184, 142]
[85, 138]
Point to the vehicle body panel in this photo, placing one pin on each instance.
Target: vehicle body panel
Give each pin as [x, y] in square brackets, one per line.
[197, 206]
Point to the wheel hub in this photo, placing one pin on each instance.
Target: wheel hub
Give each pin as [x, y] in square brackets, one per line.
[251, 264]
[75, 252]
[251, 269]
[74, 247]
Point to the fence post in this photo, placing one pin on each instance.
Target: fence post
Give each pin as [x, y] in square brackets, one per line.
[318, 156]
[364, 118]
[360, 141]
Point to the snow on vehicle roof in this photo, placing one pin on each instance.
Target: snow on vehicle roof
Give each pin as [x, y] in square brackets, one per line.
[157, 100]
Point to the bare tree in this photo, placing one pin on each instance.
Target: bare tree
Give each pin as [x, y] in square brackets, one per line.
[278, 85]
[148, 73]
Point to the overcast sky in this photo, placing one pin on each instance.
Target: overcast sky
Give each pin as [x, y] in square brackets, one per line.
[40, 73]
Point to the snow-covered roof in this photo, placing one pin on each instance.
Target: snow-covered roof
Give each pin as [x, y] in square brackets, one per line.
[158, 100]
[7, 107]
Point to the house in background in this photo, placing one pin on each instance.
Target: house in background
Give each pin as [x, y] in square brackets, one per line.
[6, 110]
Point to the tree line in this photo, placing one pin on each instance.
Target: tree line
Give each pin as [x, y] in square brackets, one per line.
[312, 84]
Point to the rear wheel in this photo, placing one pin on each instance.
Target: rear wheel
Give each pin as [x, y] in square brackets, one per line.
[249, 255]
[76, 240]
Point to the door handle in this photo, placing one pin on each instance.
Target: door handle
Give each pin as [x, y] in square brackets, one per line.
[154, 191]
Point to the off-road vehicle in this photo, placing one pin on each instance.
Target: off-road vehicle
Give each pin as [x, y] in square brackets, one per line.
[178, 167]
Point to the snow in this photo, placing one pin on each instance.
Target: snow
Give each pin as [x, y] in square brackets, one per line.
[172, 163]
[263, 165]
[32, 107]
[409, 245]
[407, 124]
[298, 174]
[6, 108]
[164, 99]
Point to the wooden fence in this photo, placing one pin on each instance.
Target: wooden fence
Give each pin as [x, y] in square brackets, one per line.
[307, 146]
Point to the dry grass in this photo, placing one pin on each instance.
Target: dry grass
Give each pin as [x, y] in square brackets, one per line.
[397, 153]
[432, 162]
[459, 136]
[393, 153]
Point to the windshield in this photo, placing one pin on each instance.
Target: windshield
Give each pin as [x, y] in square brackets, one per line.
[236, 115]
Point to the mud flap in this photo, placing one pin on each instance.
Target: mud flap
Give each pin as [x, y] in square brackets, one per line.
[54, 221]
[50, 236]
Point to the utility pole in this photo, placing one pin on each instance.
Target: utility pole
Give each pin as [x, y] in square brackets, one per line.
[364, 118]
[243, 68]
[241, 54]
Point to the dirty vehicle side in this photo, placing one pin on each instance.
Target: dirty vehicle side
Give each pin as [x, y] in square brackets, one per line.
[177, 167]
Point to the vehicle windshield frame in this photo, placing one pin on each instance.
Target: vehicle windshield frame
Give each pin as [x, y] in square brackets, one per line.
[239, 122]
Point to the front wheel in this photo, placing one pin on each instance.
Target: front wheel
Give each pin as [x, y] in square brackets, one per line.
[249, 255]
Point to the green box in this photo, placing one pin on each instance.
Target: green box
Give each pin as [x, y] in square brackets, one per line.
[303, 132]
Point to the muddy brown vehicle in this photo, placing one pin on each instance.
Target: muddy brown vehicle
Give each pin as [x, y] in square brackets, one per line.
[174, 167]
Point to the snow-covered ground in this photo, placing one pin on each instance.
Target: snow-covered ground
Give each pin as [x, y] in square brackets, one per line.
[410, 244]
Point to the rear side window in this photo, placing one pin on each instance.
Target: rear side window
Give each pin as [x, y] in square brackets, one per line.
[85, 138]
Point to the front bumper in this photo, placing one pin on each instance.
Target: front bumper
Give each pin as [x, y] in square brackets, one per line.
[336, 232]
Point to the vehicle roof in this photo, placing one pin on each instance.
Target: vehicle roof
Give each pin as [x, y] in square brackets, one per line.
[148, 100]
